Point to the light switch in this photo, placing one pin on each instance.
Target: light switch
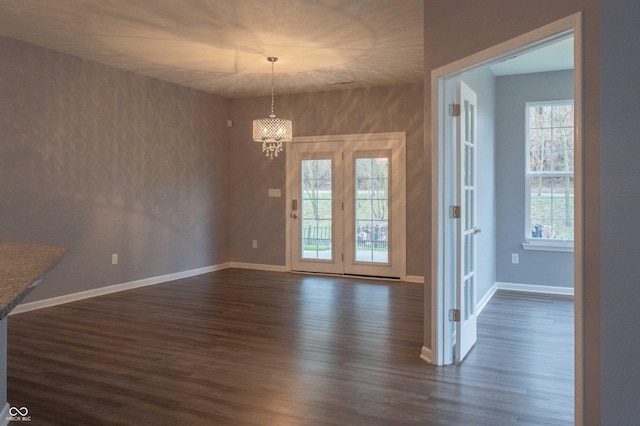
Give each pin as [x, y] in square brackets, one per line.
[275, 192]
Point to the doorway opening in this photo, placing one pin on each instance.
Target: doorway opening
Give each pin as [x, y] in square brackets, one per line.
[445, 259]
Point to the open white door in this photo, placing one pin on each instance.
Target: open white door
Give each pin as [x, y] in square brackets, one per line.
[466, 319]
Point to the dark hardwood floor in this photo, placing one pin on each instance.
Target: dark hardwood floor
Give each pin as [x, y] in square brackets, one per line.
[248, 347]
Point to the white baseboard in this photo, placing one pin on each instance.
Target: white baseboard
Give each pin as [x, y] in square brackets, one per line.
[46, 303]
[258, 266]
[482, 303]
[4, 415]
[533, 288]
[68, 298]
[426, 355]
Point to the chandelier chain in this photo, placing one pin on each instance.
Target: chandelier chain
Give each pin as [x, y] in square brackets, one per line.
[273, 79]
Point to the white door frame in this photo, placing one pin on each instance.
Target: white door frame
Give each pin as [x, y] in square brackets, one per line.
[358, 141]
[561, 28]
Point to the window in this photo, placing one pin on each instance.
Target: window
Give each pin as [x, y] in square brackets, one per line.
[549, 176]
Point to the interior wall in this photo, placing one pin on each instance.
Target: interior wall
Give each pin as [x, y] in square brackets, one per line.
[106, 161]
[549, 268]
[455, 30]
[483, 82]
[620, 194]
[377, 110]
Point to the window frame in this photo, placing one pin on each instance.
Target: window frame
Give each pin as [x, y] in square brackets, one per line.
[544, 244]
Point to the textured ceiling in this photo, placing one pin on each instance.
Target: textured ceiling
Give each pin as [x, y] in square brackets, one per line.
[221, 46]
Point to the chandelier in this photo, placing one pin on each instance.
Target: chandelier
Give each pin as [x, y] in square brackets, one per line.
[272, 131]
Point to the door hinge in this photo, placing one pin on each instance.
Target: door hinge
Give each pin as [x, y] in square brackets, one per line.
[454, 212]
[454, 110]
[342, 257]
[454, 315]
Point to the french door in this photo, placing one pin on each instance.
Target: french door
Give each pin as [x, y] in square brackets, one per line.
[467, 230]
[346, 203]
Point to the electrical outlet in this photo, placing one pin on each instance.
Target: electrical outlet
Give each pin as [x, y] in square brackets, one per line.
[254, 244]
[515, 258]
[114, 259]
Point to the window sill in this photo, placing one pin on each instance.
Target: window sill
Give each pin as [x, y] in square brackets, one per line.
[548, 246]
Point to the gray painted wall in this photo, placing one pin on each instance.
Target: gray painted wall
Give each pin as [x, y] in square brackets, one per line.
[512, 92]
[256, 216]
[482, 81]
[619, 203]
[106, 161]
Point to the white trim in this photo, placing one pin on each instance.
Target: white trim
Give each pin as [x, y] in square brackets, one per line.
[437, 225]
[532, 39]
[352, 137]
[413, 279]
[578, 253]
[258, 266]
[73, 297]
[486, 298]
[426, 355]
[4, 415]
[116, 288]
[534, 288]
[548, 245]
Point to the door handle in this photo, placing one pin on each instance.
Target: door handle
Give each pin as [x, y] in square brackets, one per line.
[477, 230]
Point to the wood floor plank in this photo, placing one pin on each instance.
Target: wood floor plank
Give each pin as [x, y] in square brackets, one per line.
[245, 347]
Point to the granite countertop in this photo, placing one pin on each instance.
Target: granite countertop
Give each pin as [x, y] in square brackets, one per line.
[22, 267]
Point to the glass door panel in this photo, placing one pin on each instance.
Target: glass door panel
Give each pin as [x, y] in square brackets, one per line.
[317, 216]
[372, 210]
